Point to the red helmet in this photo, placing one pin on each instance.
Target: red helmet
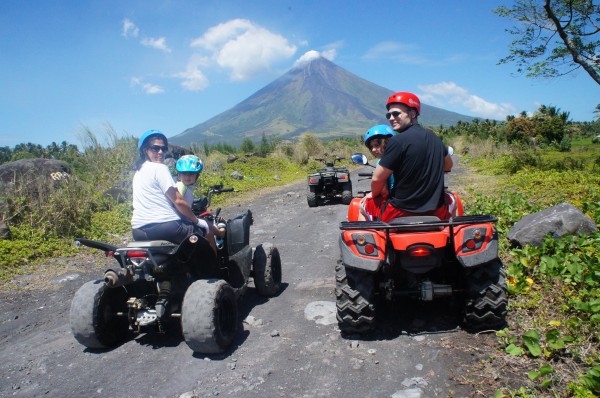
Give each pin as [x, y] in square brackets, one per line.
[408, 99]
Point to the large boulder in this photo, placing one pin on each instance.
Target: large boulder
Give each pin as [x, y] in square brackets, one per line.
[27, 171]
[556, 221]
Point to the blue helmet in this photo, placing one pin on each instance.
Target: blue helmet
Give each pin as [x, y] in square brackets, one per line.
[189, 164]
[148, 134]
[380, 131]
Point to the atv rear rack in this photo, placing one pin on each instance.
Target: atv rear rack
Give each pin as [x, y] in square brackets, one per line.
[418, 223]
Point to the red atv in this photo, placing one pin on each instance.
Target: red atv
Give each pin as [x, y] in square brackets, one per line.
[420, 258]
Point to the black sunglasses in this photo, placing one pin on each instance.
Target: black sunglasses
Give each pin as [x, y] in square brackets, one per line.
[157, 148]
[394, 114]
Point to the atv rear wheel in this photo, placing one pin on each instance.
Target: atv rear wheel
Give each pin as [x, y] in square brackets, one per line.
[347, 193]
[311, 196]
[209, 316]
[486, 301]
[354, 293]
[266, 266]
[98, 315]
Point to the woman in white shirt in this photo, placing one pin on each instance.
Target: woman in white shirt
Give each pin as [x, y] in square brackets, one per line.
[160, 212]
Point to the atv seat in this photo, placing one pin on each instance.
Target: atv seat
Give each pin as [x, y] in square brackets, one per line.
[150, 243]
[415, 223]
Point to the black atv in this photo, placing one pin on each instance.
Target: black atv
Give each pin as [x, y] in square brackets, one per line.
[330, 182]
[159, 283]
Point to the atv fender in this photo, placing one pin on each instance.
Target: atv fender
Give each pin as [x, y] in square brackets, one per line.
[238, 268]
[350, 259]
[238, 232]
[354, 209]
[476, 244]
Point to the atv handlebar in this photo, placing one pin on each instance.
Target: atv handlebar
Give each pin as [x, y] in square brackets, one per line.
[201, 205]
[365, 174]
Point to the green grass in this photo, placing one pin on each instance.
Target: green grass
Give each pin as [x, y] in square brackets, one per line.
[554, 290]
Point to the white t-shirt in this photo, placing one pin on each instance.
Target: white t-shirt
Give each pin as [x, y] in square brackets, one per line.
[187, 191]
[150, 202]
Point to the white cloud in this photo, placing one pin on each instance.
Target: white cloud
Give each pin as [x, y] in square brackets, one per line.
[193, 79]
[448, 94]
[147, 88]
[307, 57]
[129, 29]
[159, 44]
[329, 54]
[313, 54]
[243, 48]
[399, 52]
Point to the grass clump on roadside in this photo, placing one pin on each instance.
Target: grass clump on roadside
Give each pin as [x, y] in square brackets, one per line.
[554, 303]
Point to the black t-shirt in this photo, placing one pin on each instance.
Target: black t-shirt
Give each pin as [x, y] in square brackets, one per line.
[416, 157]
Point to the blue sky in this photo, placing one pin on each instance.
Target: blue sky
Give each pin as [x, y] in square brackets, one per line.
[136, 65]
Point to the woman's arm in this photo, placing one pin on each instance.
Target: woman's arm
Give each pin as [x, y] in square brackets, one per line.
[181, 205]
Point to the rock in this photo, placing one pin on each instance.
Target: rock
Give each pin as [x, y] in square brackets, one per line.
[4, 231]
[28, 171]
[556, 221]
[236, 175]
[117, 194]
[231, 158]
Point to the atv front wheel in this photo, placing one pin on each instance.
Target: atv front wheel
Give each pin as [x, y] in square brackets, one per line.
[98, 315]
[209, 316]
[354, 293]
[266, 265]
[347, 193]
[311, 196]
[486, 301]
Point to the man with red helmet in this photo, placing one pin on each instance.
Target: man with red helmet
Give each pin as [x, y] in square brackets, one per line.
[417, 158]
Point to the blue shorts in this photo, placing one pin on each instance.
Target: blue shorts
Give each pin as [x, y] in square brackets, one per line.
[172, 231]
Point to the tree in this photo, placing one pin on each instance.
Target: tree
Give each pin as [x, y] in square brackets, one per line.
[554, 37]
[247, 146]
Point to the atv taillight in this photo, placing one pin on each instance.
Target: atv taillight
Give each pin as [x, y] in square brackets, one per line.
[313, 180]
[343, 177]
[420, 251]
[365, 244]
[473, 239]
[137, 254]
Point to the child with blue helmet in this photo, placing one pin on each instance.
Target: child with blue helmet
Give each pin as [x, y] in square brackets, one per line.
[188, 169]
[375, 139]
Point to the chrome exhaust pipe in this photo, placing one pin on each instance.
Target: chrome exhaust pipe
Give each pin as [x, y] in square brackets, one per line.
[114, 279]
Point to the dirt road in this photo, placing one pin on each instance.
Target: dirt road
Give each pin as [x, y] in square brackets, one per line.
[289, 346]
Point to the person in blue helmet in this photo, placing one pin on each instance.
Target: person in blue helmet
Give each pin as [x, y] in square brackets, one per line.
[375, 139]
[160, 212]
[188, 169]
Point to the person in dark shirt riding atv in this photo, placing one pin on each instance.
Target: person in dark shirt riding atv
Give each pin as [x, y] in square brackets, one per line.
[417, 159]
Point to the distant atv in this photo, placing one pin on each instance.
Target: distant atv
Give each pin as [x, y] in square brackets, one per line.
[420, 258]
[329, 183]
[159, 283]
